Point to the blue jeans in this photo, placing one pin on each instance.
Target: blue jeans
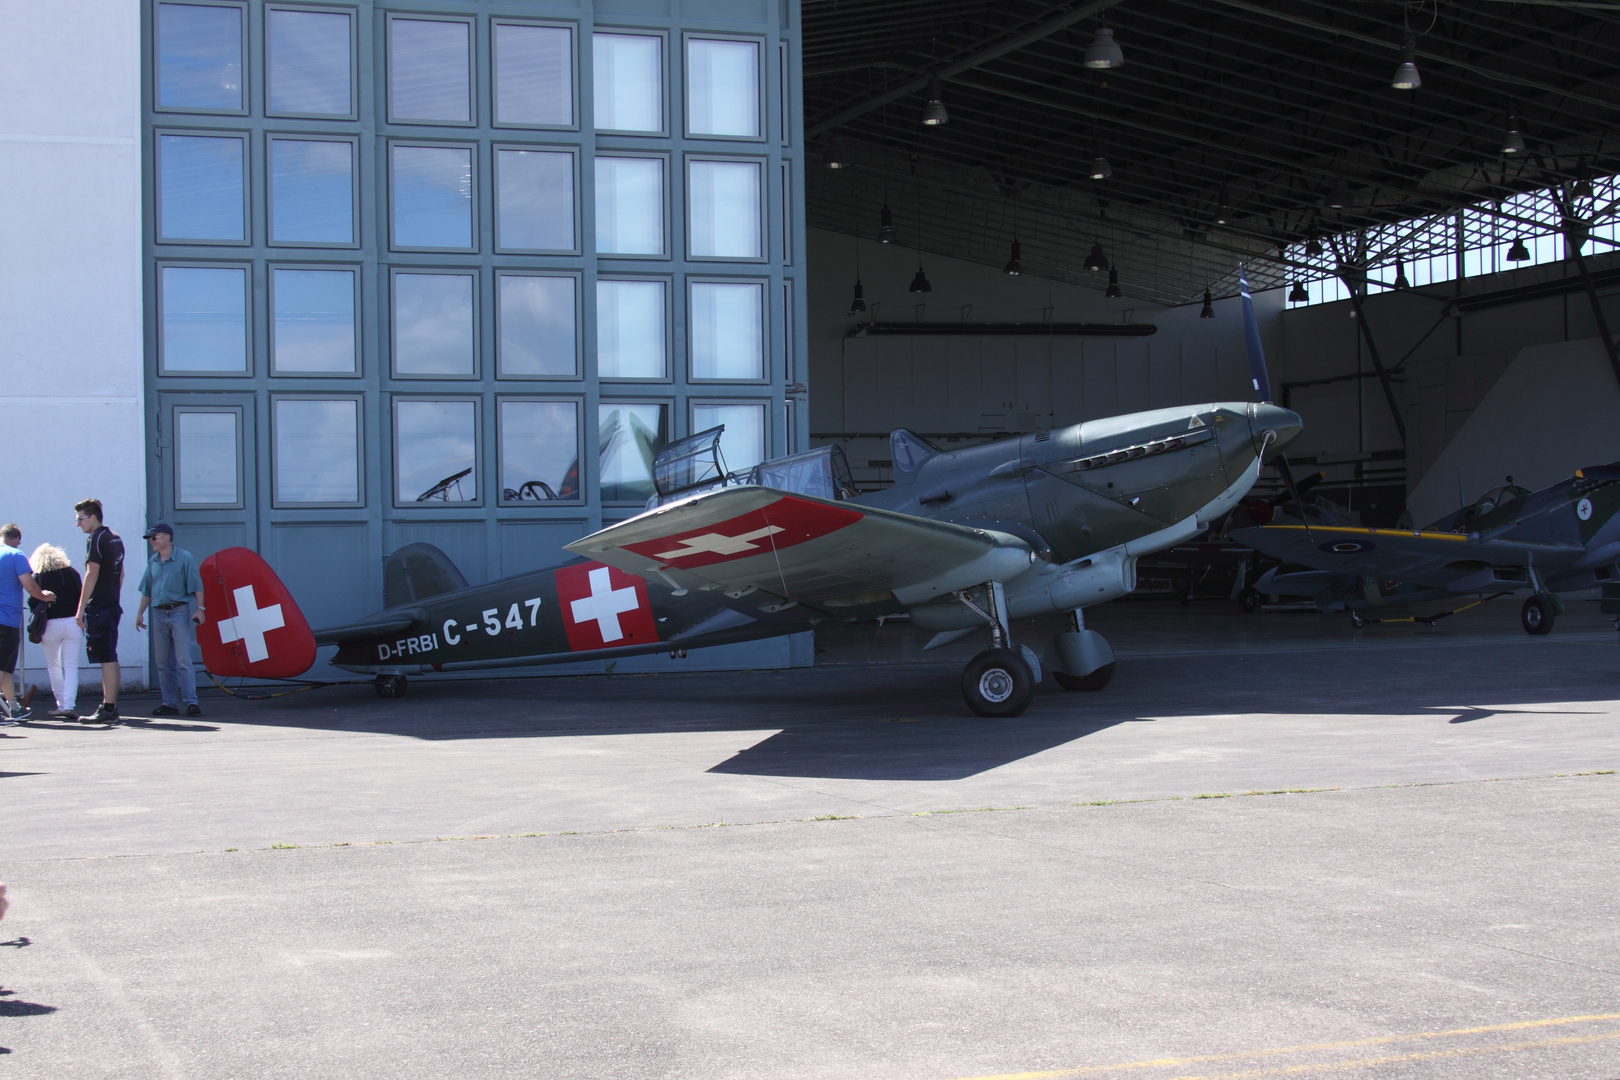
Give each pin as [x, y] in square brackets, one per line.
[173, 636]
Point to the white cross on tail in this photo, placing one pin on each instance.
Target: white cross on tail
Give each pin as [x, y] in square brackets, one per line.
[251, 624]
[605, 604]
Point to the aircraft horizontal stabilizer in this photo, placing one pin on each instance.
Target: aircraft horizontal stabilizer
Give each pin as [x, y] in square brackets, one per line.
[807, 550]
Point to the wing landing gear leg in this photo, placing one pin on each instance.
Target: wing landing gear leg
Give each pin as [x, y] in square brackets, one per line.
[1000, 681]
[389, 686]
[1541, 609]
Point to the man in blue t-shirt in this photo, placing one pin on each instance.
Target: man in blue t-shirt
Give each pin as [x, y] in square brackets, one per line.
[15, 577]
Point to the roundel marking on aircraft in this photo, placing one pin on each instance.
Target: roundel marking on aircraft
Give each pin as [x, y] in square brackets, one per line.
[1583, 509]
[1346, 547]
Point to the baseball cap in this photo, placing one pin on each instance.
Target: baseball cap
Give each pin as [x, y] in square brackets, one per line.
[158, 528]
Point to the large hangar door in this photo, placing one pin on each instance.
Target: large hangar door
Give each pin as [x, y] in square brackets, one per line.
[957, 389]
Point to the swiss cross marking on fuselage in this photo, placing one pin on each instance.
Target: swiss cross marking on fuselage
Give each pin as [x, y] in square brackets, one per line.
[718, 544]
[605, 605]
[251, 624]
[604, 608]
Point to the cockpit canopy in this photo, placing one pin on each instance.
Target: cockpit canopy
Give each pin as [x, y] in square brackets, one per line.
[694, 464]
[1493, 500]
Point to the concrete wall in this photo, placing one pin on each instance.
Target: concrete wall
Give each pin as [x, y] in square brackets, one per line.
[70, 282]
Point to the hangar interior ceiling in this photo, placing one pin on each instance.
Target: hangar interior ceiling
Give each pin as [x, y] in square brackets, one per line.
[1234, 131]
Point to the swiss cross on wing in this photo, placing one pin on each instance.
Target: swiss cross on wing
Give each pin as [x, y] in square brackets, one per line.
[603, 608]
[783, 524]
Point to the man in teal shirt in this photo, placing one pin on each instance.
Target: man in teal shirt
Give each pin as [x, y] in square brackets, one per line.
[170, 584]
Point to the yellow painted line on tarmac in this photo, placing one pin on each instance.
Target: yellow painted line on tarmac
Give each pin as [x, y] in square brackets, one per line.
[1421, 1055]
[1350, 1044]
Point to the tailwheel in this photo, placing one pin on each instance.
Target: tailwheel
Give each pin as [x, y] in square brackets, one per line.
[390, 686]
[1537, 615]
[1356, 620]
[1095, 681]
[998, 683]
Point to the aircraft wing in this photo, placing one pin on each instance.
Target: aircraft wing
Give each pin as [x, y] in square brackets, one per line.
[1439, 559]
[804, 549]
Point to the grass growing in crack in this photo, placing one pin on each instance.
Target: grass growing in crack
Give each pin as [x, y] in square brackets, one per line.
[279, 846]
[968, 810]
[834, 817]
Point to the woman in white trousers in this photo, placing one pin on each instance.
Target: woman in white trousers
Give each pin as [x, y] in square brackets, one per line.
[63, 641]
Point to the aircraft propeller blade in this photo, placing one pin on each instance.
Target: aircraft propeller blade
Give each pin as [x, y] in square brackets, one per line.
[1251, 340]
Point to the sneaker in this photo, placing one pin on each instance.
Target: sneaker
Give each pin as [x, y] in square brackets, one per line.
[16, 710]
[194, 709]
[63, 714]
[165, 710]
[104, 714]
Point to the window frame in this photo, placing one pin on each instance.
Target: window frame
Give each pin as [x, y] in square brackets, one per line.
[764, 285]
[270, 320]
[472, 272]
[475, 225]
[354, 62]
[667, 280]
[573, 29]
[573, 151]
[247, 317]
[762, 102]
[354, 189]
[760, 162]
[663, 79]
[767, 434]
[175, 412]
[157, 65]
[667, 193]
[476, 401]
[241, 135]
[358, 400]
[471, 23]
[578, 277]
[603, 402]
[578, 401]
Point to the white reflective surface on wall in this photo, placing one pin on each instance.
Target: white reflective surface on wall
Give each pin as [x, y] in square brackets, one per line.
[743, 444]
[728, 330]
[629, 206]
[628, 80]
[723, 219]
[722, 87]
[631, 339]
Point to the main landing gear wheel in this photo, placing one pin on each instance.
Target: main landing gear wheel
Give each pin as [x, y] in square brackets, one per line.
[1537, 615]
[1250, 599]
[998, 683]
[390, 686]
[1095, 681]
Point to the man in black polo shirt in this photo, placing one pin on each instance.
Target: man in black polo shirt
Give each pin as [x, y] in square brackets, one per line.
[98, 604]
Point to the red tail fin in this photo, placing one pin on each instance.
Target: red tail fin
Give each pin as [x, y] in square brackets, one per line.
[254, 627]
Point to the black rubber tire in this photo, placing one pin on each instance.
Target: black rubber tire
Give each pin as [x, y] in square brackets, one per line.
[1095, 681]
[998, 683]
[1357, 621]
[390, 686]
[1537, 615]
[1250, 599]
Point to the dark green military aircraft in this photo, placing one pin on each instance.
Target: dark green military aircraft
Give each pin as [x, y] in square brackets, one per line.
[1559, 539]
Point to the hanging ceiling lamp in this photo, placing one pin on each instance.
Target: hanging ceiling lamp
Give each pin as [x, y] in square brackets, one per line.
[934, 114]
[1298, 295]
[1518, 252]
[1208, 310]
[1104, 52]
[1339, 197]
[1400, 275]
[857, 305]
[886, 228]
[1096, 260]
[837, 155]
[1100, 169]
[1406, 76]
[1113, 291]
[1223, 212]
[1582, 188]
[919, 283]
[1313, 245]
[1015, 265]
[1512, 138]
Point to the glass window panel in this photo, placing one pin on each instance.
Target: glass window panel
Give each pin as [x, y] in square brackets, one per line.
[309, 62]
[201, 194]
[537, 326]
[629, 206]
[317, 446]
[722, 87]
[312, 191]
[628, 80]
[539, 450]
[199, 57]
[534, 203]
[433, 324]
[629, 435]
[427, 70]
[313, 329]
[724, 209]
[203, 318]
[435, 451]
[743, 444]
[534, 75]
[728, 330]
[630, 338]
[206, 472]
[433, 192]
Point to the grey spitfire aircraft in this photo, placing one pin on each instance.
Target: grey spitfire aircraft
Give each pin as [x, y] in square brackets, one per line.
[1558, 539]
[964, 542]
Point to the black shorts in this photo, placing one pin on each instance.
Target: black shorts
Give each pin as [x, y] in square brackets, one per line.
[101, 632]
[10, 642]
